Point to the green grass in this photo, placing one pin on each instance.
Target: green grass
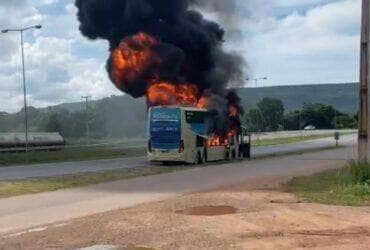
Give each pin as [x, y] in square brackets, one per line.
[288, 140]
[349, 186]
[69, 154]
[38, 185]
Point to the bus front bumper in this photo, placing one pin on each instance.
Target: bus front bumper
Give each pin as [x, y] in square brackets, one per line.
[158, 156]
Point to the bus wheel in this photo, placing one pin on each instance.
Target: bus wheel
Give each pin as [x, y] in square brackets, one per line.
[205, 156]
[227, 156]
[233, 155]
[199, 159]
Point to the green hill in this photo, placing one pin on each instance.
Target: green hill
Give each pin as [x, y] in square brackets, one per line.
[125, 117]
[343, 97]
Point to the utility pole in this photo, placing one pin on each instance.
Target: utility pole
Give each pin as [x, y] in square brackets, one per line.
[87, 117]
[364, 83]
[300, 124]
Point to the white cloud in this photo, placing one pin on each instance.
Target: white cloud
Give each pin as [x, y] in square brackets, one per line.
[319, 45]
[295, 3]
[55, 72]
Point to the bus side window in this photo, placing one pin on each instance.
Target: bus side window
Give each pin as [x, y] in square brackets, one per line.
[200, 141]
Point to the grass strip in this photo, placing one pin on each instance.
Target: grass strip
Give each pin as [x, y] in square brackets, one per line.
[292, 139]
[333, 187]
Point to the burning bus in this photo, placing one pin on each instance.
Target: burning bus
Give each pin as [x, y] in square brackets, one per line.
[169, 53]
[187, 134]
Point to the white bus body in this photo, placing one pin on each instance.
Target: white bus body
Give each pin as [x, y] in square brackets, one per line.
[179, 134]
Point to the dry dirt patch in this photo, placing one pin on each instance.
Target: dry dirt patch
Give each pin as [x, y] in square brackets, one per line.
[265, 219]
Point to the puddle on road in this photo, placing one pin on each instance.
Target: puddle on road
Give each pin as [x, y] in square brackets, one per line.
[208, 211]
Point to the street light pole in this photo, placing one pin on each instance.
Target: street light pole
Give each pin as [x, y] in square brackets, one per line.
[24, 93]
[24, 77]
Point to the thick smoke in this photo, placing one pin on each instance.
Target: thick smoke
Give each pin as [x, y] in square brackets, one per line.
[189, 41]
[190, 49]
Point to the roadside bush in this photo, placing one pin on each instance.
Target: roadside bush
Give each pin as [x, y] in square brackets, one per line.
[360, 190]
[360, 172]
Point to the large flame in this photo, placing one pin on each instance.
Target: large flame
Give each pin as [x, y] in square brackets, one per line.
[136, 59]
[132, 58]
[167, 93]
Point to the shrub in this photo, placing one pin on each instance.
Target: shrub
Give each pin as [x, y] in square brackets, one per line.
[360, 172]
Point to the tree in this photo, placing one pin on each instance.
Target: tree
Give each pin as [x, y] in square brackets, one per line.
[53, 123]
[292, 120]
[346, 121]
[321, 116]
[253, 120]
[272, 112]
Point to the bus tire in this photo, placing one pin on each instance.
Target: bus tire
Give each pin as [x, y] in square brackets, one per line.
[227, 156]
[199, 159]
[233, 155]
[205, 156]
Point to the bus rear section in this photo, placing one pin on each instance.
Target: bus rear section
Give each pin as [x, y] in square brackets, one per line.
[165, 135]
[184, 134]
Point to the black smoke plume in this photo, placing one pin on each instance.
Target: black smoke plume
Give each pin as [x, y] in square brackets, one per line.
[190, 46]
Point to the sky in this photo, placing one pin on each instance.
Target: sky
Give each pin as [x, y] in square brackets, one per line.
[288, 41]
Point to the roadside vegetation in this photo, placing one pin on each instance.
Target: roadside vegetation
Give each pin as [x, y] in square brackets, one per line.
[270, 114]
[77, 153]
[38, 185]
[349, 186]
[293, 139]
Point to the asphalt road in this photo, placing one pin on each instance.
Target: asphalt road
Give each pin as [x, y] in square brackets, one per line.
[58, 169]
[35, 210]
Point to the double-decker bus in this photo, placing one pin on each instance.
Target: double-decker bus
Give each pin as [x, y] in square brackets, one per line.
[183, 134]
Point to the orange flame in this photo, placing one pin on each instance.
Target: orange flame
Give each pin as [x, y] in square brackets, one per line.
[167, 93]
[233, 111]
[203, 102]
[132, 57]
[217, 141]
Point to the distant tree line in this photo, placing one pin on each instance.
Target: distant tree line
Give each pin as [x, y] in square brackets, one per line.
[269, 115]
[73, 124]
[113, 117]
[120, 117]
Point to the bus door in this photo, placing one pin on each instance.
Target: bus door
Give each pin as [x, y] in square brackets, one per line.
[245, 144]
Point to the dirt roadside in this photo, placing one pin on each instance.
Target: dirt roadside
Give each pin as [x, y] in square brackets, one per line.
[261, 217]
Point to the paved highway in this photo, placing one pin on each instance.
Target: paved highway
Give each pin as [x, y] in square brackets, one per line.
[58, 169]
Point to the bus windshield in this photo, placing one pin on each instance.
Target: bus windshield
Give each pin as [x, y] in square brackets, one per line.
[165, 128]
